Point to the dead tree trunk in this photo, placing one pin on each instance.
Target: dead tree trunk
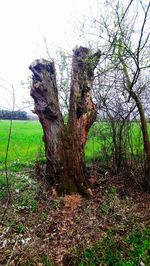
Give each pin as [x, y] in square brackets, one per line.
[64, 144]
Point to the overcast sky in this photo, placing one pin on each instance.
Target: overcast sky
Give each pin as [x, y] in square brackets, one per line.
[23, 24]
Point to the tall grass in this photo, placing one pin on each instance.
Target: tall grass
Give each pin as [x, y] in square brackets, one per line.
[100, 141]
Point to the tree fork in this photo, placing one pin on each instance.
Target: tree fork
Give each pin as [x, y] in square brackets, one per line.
[64, 144]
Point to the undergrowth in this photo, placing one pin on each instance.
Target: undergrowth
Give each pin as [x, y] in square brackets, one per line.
[113, 250]
[45, 228]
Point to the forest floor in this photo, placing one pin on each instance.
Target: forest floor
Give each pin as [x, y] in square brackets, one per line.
[112, 227]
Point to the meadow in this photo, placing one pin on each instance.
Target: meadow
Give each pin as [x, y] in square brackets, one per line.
[26, 143]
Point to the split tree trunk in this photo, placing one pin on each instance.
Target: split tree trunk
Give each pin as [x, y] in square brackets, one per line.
[64, 144]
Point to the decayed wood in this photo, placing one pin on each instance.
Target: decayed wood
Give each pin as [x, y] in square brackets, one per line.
[45, 94]
[64, 144]
[82, 112]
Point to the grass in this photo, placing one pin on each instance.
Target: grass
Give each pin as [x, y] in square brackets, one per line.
[132, 250]
[100, 143]
[26, 143]
[25, 189]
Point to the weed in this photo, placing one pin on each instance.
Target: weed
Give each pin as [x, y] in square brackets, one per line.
[139, 242]
[18, 228]
[111, 250]
[43, 216]
[26, 202]
[46, 261]
[54, 204]
[111, 196]
[104, 208]
[3, 187]
[111, 192]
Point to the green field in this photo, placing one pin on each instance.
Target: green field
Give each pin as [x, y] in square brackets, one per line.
[26, 143]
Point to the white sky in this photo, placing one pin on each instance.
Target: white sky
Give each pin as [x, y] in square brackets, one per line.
[23, 24]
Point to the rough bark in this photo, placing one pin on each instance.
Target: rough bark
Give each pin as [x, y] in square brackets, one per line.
[64, 144]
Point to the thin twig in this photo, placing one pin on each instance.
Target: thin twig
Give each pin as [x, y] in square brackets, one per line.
[6, 156]
[11, 255]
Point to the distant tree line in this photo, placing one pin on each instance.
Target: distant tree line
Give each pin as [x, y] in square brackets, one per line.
[14, 115]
